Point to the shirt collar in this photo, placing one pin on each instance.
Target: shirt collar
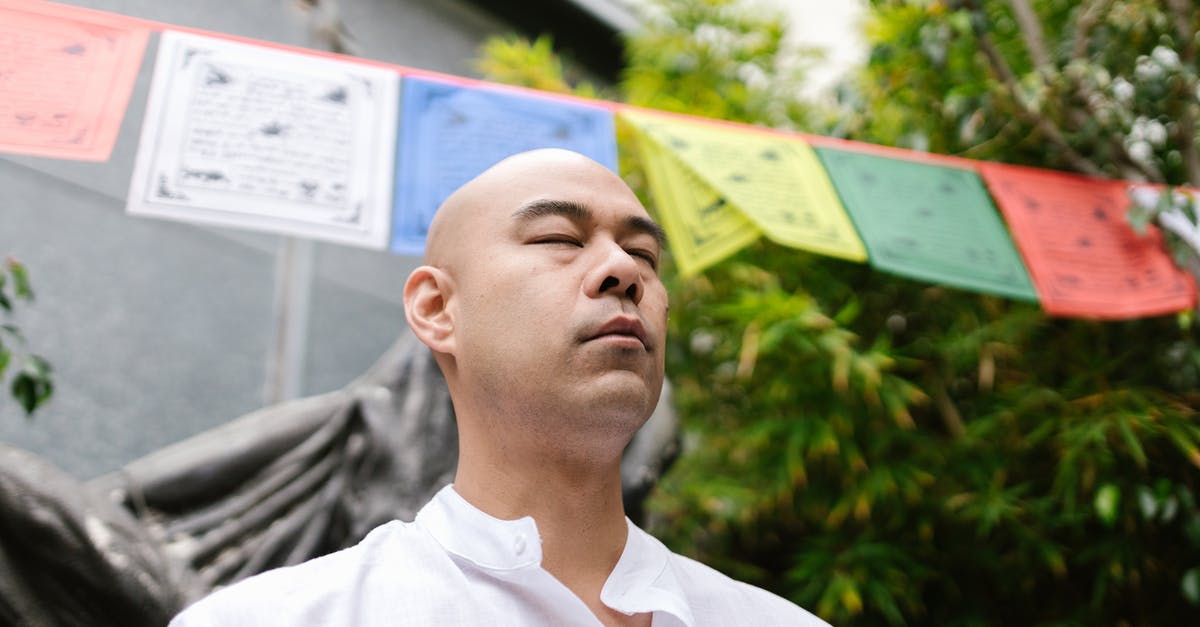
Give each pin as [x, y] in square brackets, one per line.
[642, 580]
[484, 540]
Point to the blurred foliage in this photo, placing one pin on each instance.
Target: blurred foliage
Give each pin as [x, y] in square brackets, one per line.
[885, 452]
[32, 384]
[1104, 87]
[515, 60]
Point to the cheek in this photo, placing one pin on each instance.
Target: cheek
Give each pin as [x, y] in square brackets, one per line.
[506, 302]
[655, 300]
[655, 307]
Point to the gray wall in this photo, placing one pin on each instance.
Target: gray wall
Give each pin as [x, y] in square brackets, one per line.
[159, 330]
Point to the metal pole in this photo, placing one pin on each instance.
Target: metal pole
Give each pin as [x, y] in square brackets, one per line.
[289, 317]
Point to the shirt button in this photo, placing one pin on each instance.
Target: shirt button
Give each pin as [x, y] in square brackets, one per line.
[519, 544]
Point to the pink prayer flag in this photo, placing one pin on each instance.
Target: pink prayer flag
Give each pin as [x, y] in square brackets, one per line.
[65, 78]
[1085, 258]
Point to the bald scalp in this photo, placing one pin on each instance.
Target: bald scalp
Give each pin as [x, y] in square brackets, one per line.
[463, 215]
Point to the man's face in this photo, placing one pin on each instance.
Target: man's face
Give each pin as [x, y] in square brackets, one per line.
[559, 310]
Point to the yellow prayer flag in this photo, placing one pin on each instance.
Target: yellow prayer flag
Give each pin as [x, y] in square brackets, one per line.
[776, 181]
[703, 229]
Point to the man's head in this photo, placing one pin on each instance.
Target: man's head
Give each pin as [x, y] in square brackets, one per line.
[542, 303]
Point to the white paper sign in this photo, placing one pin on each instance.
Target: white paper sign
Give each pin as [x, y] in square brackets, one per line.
[253, 137]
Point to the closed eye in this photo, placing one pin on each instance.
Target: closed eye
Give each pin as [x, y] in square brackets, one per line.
[558, 239]
[648, 256]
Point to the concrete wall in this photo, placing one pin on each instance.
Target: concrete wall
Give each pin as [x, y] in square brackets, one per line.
[159, 330]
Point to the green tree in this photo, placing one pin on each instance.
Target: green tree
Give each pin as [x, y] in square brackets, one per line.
[883, 451]
[33, 384]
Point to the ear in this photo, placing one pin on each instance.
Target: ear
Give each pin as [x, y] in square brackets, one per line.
[426, 298]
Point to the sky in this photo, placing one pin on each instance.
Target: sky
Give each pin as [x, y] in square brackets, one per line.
[832, 25]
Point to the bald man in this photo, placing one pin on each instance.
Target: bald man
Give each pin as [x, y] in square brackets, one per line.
[541, 301]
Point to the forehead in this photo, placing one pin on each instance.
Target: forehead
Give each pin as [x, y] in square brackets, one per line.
[575, 189]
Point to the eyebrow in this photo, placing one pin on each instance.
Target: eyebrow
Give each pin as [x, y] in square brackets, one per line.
[577, 212]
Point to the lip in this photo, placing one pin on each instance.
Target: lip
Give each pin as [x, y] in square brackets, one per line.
[622, 326]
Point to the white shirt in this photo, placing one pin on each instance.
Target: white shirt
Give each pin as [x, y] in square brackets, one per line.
[455, 565]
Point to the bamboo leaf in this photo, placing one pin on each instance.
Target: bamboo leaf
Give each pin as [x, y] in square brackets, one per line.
[1132, 444]
[1107, 503]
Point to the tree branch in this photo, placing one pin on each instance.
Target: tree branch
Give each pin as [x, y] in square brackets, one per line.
[1181, 11]
[1130, 168]
[1187, 142]
[1043, 126]
[1031, 32]
[1001, 137]
[1035, 42]
[1089, 16]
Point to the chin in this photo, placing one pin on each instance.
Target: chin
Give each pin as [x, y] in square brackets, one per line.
[608, 414]
[624, 401]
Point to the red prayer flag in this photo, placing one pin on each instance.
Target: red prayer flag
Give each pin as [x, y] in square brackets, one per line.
[65, 78]
[1083, 255]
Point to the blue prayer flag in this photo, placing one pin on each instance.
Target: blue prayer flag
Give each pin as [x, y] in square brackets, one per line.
[450, 133]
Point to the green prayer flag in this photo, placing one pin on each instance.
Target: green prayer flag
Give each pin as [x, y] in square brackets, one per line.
[928, 222]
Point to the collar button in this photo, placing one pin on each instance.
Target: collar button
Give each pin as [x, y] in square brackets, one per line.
[520, 544]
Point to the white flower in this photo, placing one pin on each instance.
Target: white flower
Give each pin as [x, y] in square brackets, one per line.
[717, 38]
[1165, 57]
[1144, 196]
[1122, 90]
[1141, 150]
[1148, 70]
[1149, 130]
[1156, 133]
[753, 76]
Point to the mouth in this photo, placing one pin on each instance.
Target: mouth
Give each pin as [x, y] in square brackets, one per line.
[623, 330]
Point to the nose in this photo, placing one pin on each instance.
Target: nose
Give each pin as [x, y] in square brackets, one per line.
[617, 273]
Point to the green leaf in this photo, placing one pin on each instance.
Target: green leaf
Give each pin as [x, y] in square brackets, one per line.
[39, 367]
[24, 389]
[1147, 502]
[1166, 201]
[1106, 503]
[1190, 586]
[1131, 442]
[5, 357]
[1170, 506]
[20, 279]
[13, 331]
[32, 386]
[1138, 217]
[1187, 206]
[848, 313]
